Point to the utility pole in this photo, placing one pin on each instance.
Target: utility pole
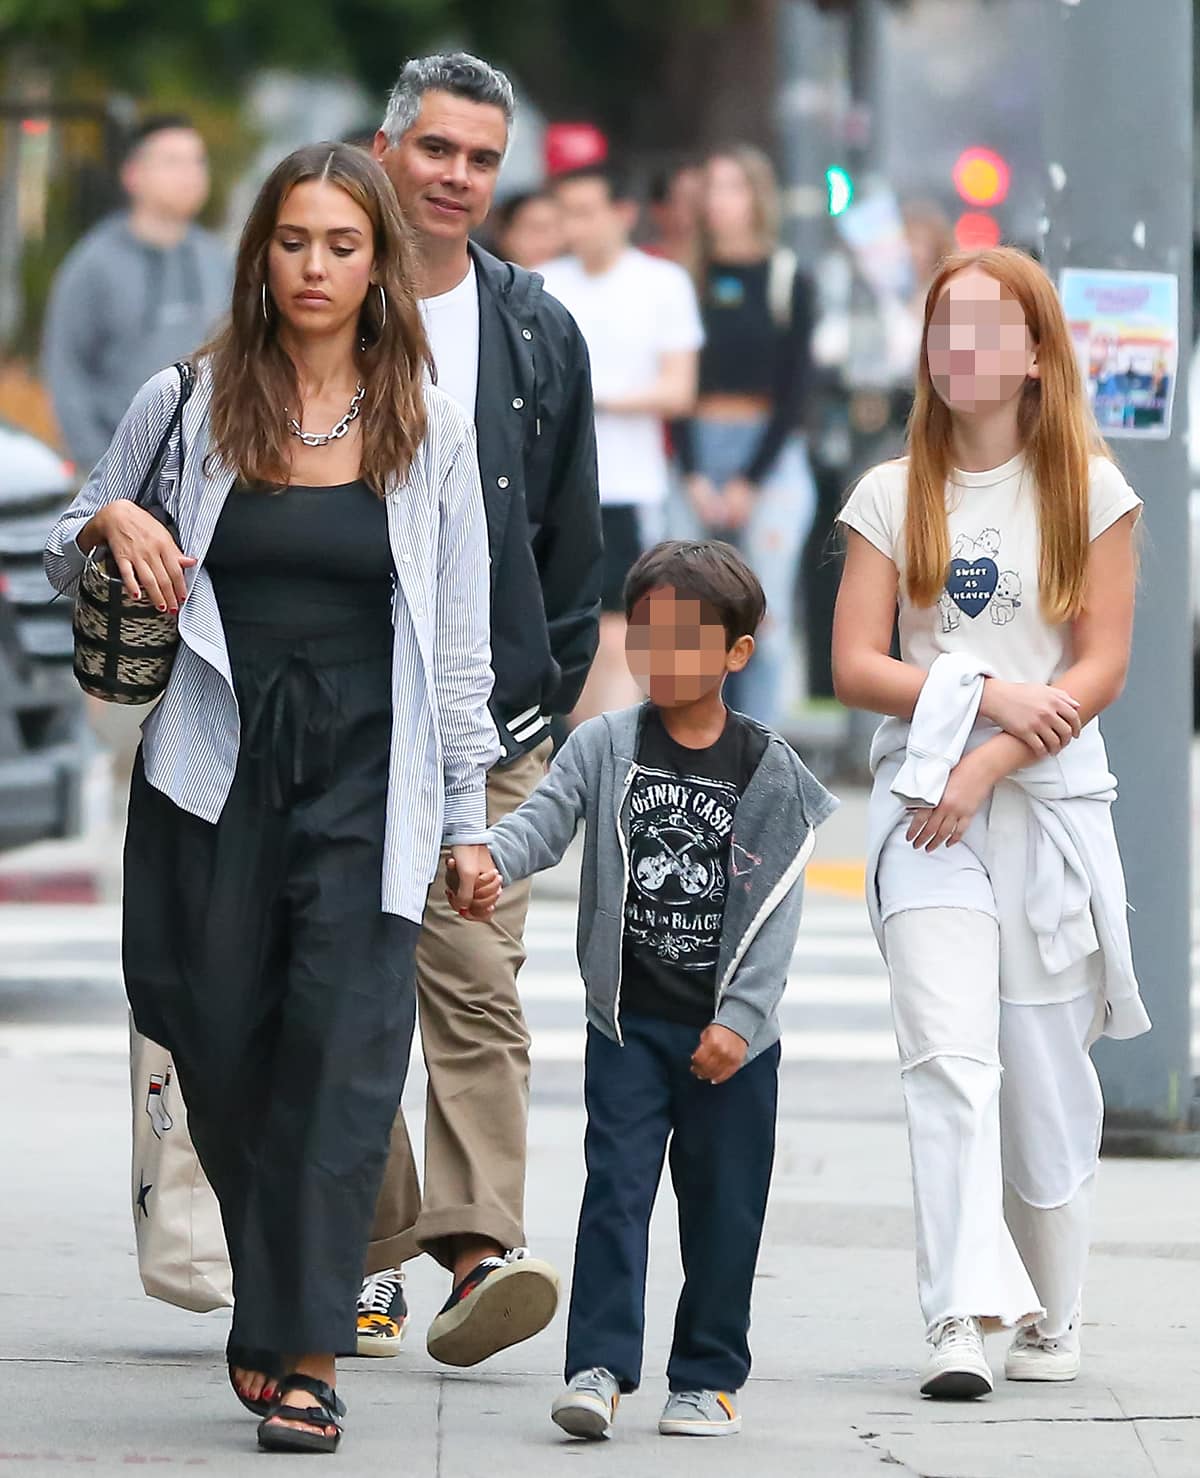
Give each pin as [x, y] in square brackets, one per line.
[1117, 110]
[803, 109]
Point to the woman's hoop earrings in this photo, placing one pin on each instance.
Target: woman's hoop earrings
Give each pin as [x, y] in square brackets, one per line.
[266, 315]
[383, 305]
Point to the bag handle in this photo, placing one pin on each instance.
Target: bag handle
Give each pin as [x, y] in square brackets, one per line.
[149, 482]
[187, 383]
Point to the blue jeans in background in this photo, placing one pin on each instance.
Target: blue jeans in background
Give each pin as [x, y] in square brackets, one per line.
[772, 543]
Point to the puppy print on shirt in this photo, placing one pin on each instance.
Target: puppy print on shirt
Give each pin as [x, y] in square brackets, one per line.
[1007, 600]
[951, 620]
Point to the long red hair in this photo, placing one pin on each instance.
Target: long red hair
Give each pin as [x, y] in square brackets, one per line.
[1058, 434]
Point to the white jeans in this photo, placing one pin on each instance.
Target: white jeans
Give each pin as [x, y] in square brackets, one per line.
[1004, 1115]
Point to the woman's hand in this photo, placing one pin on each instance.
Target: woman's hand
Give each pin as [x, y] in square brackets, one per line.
[145, 555]
[737, 502]
[1045, 718]
[705, 500]
[472, 882]
[971, 782]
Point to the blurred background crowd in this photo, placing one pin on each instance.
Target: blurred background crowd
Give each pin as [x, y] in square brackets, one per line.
[741, 201]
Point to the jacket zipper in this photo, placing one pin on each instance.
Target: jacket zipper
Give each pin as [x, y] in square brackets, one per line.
[772, 901]
[616, 1009]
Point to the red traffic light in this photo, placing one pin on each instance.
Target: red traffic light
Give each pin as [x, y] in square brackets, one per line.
[975, 230]
[981, 176]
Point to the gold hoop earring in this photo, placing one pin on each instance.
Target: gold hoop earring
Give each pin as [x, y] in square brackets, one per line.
[383, 305]
[266, 315]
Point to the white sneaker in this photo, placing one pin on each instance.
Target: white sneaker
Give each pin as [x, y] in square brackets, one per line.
[1032, 1356]
[700, 1414]
[957, 1368]
[588, 1407]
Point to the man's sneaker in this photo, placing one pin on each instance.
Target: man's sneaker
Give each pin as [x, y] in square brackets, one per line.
[957, 1369]
[501, 1301]
[1033, 1357]
[588, 1407]
[699, 1414]
[382, 1313]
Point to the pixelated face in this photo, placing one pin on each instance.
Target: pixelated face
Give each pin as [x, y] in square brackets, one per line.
[676, 648]
[980, 349]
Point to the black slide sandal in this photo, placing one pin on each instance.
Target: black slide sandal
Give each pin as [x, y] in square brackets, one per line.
[272, 1437]
[266, 1362]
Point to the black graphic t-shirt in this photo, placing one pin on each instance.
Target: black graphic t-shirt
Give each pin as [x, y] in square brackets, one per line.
[681, 806]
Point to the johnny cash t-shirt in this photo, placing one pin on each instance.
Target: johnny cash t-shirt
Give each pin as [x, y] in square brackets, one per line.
[681, 806]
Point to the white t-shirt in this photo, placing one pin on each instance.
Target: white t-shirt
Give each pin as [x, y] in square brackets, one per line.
[641, 308]
[452, 323]
[989, 607]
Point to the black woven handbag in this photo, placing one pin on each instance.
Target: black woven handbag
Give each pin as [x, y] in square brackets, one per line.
[125, 648]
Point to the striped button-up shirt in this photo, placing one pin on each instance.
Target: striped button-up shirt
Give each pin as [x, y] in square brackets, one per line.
[443, 738]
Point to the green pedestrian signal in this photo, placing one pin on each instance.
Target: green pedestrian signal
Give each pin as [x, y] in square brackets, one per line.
[840, 188]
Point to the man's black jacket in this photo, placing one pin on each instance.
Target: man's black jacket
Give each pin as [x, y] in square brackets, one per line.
[537, 462]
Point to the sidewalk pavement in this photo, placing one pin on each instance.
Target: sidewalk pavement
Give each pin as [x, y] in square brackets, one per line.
[97, 1377]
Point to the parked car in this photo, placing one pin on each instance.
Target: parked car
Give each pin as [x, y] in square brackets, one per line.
[44, 739]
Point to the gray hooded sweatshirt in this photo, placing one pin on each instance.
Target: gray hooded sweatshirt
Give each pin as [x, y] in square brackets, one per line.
[120, 311]
[774, 830]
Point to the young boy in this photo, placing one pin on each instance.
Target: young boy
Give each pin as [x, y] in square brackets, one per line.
[699, 826]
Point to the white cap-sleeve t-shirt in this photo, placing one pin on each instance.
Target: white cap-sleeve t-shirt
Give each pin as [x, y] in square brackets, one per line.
[989, 606]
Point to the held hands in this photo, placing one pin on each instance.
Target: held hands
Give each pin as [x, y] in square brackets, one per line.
[970, 784]
[720, 1053]
[1044, 718]
[473, 885]
[144, 553]
[737, 496]
[727, 508]
[705, 500]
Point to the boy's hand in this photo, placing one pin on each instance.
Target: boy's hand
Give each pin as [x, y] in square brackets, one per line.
[472, 883]
[719, 1055]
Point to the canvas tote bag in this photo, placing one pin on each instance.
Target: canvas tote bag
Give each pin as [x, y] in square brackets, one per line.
[180, 1240]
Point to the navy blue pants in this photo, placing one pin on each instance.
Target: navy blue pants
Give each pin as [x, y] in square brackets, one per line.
[641, 1098]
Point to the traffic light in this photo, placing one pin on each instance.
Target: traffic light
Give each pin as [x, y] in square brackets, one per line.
[840, 188]
[975, 229]
[981, 177]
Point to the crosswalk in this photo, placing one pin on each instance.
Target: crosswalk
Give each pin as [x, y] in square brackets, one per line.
[835, 1008]
[61, 991]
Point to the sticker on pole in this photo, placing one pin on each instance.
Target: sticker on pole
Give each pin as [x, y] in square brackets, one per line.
[1125, 328]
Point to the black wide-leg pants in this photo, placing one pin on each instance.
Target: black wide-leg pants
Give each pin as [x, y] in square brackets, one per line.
[257, 952]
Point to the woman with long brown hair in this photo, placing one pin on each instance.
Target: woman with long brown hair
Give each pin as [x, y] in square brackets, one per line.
[1005, 543]
[743, 454]
[323, 733]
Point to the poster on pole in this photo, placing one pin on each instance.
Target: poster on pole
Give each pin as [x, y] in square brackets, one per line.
[1125, 328]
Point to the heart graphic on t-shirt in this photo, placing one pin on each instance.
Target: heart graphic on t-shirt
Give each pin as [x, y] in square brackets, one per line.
[972, 583]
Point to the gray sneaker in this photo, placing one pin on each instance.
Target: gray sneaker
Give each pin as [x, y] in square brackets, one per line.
[700, 1414]
[588, 1407]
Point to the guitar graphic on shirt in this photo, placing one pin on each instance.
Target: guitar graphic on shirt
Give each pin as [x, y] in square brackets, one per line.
[653, 872]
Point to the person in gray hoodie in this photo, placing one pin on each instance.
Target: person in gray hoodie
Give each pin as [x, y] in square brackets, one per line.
[141, 290]
[699, 825]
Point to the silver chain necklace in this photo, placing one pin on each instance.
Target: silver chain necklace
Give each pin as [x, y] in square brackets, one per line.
[323, 438]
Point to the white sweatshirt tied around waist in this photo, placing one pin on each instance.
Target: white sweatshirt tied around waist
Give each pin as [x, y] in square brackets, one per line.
[1075, 897]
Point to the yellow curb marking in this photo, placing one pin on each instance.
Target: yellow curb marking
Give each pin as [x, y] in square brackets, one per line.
[846, 879]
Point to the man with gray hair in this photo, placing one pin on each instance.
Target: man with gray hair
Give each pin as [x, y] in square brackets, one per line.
[515, 361]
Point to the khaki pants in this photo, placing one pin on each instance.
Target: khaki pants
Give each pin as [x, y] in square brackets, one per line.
[476, 1050]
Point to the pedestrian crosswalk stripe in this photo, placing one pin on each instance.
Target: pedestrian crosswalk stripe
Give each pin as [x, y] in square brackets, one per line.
[553, 1044]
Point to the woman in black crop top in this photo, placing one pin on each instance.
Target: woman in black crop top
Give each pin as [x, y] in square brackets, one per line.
[743, 456]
